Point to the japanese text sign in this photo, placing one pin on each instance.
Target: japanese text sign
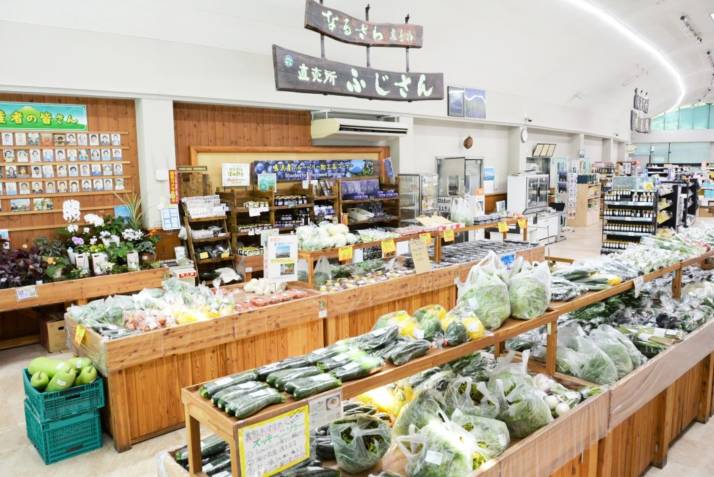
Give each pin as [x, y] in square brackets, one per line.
[346, 28]
[307, 74]
[43, 116]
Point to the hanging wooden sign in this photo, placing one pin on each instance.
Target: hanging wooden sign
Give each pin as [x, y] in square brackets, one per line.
[346, 28]
[307, 74]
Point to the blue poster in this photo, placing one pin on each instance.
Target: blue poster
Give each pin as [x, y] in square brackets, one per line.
[475, 103]
[290, 170]
[489, 173]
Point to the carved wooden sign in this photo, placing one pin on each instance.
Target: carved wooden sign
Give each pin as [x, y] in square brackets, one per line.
[348, 29]
[307, 74]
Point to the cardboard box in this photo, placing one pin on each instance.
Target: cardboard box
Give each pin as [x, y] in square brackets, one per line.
[52, 334]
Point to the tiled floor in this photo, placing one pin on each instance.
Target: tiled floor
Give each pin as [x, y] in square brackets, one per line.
[690, 456]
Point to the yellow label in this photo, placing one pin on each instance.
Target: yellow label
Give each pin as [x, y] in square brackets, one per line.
[523, 224]
[426, 238]
[344, 254]
[388, 247]
[203, 255]
[79, 334]
[225, 254]
[449, 235]
[502, 227]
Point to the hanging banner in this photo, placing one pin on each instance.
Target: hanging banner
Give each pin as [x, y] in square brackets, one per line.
[307, 74]
[348, 29]
[288, 170]
[59, 117]
[173, 187]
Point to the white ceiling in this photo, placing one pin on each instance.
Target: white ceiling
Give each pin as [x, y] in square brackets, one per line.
[547, 49]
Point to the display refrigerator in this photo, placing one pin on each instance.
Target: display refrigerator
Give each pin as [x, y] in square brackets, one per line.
[417, 195]
[528, 193]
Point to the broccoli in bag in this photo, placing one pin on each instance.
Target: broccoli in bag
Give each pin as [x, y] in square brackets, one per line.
[359, 442]
[485, 292]
[429, 319]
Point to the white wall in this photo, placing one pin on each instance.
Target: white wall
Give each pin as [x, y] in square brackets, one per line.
[593, 149]
[564, 142]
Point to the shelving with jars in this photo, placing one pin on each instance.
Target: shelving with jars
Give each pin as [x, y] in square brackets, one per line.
[365, 201]
[628, 216]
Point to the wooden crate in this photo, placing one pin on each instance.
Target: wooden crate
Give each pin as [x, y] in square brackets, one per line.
[52, 335]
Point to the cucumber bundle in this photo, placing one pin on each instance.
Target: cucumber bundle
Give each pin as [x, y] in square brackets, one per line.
[244, 405]
[211, 388]
[278, 379]
[222, 397]
[297, 362]
[305, 387]
[408, 350]
[357, 369]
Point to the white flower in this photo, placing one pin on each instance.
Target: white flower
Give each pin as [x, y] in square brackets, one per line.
[70, 210]
[94, 219]
[104, 233]
[132, 234]
[86, 230]
[115, 239]
[72, 228]
[93, 241]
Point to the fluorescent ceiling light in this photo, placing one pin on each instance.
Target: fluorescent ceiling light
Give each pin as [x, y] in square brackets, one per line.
[638, 40]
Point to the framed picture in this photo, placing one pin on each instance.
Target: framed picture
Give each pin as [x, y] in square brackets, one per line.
[50, 187]
[37, 187]
[74, 186]
[11, 188]
[455, 106]
[98, 185]
[35, 155]
[42, 204]
[83, 155]
[60, 155]
[108, 184]
[82, 139]
[71, 139]
[95, 155]
[7, 139]
[94, 139]
[107, 170]
[474, 103]
[48, 155]
[24, 188]
[60, 139]
[33, 139]
[119, 184]
[36, 172]
[20, 139]
[86, 185]
[11, 172]
[84, 170]
[62, 187]
[118, 169]
[48, 172]
[61, 170]
[72, 155]
[96, 170]
[20, 205]
[8, 155]
[23, 172]
[73, 171]
[117, 154]
[104, 140]
[106, 155]
[22, 155]
[46, 139]
[116, 139]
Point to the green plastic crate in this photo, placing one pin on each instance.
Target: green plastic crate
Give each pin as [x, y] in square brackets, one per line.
[59, 440]
[62, 404]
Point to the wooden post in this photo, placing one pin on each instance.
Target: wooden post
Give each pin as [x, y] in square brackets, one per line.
[498, 348]
[664, 428]
[552, 348]
[235, 456]
[604, 456]
[677, 284]
[193, 436]
[705, 401]
[590, 459]
[310, 270]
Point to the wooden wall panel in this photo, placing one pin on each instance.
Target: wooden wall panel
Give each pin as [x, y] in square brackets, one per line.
[213, 125]
[105, 115]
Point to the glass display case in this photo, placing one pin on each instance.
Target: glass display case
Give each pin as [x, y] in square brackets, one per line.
[459, 176]
[417, 195]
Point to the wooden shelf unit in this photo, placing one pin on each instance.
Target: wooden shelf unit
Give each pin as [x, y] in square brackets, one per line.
[588, 205]
[221, 221]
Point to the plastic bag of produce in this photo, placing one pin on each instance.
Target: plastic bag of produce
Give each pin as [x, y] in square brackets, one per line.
[278, 379]
[408, 350]
[461, 324]
[309, 386]
[527, 411]
[477, 365]
[460, 394]
[493, 401]
[358, 368]
[245, 405]
[377, 338]
[212, 387]
[359, 441]
[491, 434]
[485, 293]
[393, 318]
[604, 338]
[510, 374]
[323, 272]
[529, 291]
[579, 356]
[425, 406]
[429, 320]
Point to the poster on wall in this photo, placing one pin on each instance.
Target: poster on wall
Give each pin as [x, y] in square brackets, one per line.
[489, 179]
[57, 117]
[474, 103]
[289, 170]
[267, 182]
[455, 107]
[280, 258]
[235, 175]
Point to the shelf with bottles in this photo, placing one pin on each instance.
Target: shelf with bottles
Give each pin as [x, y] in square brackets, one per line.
[632, 229]
[367, 201]
[610, 246]
[646, 215]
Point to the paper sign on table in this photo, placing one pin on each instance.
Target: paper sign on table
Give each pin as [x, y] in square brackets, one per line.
[325, 409]
[26, 293]
[639, 283]
[502, 227]
[344, 254]
[273, 445]
[449, 235]
[388, 248]
[420, 256]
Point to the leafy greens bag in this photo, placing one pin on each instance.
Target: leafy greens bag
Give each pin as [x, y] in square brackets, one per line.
[360, 442]
[485, 293]
[529, 291]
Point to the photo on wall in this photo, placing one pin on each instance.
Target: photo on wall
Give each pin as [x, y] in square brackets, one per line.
[116, 139]
[20, 205]
[20, 139]
[42, 204]
[33, 139]
[8, 155]
[22, 155]
[61, 187]
[474, 103]
[455, 106]
[36, 187]
[82, 139]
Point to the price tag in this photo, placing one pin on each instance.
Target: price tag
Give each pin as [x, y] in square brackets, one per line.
[449, 235]
[271, 446]
[389, 248]
[344, 254]
[323, 309]
[523, 224]
[225, 254]
[426, 238]
[639, 283]
[358, 256]
[203, 255]
[253, 211]
[402, 248]
[325, 409]
[26, 293]
[79, 334]
[503, 227]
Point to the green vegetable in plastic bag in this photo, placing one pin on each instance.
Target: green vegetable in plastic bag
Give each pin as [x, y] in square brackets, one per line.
[429, 320]
[529, 292]
[490, 434]
[279, 378]
[579, 356]
[477, 365]
[456, 333]
[527, 411]
[614, 349]
[460, 394]
[306, 387]
[212, 387]
[357, 369]
[486, 294]
[408, 350]
[419, 412]
[296, 362]
[378, 338]
[510, 374]
[359, 441]
[221, 397]
[248, 404]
